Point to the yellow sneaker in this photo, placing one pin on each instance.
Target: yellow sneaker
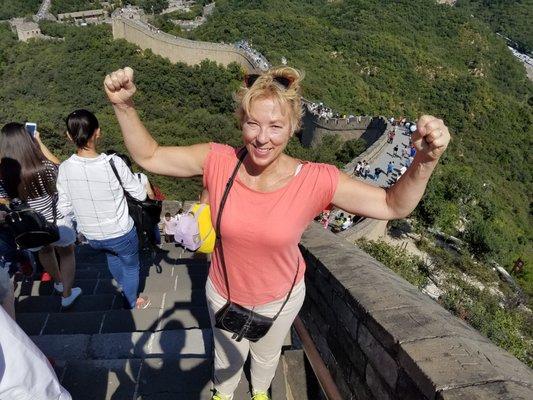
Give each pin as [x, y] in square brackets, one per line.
[260, 396]
[218, 396]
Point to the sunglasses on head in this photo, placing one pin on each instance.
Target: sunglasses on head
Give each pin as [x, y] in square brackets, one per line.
[249, 80]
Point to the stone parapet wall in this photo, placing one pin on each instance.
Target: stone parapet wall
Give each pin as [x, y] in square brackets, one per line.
[177, 49]
[315, 128]
[382, 339]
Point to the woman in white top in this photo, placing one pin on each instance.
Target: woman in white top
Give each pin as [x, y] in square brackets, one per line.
[88, 187]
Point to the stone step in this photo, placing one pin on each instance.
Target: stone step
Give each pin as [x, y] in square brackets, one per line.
[103, 302]
[147, 379]
[190, 264]
[152, 283]
[91, 322]
[178, 343]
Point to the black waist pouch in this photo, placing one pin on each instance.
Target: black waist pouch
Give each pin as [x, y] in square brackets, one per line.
[242, 322]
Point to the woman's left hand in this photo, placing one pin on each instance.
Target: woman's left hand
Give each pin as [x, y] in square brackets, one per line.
[430, 138]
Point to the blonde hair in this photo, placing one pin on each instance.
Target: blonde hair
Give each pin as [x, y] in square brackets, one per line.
[266, 86]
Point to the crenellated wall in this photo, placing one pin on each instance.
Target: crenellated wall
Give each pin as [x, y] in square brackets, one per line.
[382, 339]
[315, 128]
[177, 49]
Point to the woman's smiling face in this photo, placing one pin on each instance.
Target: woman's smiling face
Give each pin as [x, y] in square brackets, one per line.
[266, 131]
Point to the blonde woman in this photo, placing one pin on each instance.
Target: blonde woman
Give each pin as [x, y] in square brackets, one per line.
[272, 200]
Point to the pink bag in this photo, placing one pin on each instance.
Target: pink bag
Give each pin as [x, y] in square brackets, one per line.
[187, 232]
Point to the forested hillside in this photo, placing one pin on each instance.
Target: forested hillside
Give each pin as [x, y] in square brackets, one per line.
[406, 58]
[18, 8]
[511, 18]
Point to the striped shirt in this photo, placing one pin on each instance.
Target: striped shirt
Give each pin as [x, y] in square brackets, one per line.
[89, 189]
[42, 204]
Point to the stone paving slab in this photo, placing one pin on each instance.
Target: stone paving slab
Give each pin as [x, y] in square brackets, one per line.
[489, 391]
[185, 299]
[130, 320]
[32, 323]
[70, 323]
[37, 304]
[52, 304]
[182, 281]
[101, 379]
[63, 347]
[175, 379]
[185, 343]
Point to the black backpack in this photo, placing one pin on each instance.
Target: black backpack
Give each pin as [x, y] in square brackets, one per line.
[29, 227]
[145, 214]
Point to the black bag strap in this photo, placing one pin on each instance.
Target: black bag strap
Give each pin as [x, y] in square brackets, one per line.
[114, 168]
[229, 184]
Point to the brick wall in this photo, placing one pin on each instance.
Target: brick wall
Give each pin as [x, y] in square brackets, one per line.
[383, 339]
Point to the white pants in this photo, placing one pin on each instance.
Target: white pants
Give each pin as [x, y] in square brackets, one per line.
[231, 355]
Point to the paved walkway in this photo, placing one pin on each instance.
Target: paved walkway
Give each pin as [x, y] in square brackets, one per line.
[402, 140]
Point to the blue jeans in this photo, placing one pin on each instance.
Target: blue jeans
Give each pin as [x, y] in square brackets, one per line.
[123, 262]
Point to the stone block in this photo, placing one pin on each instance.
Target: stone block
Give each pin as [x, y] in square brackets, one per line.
[120, 345]
[185, 299]
[359, 387]
[130, 320]
[379, 296]
[352, 355]
[105, 286]
[101, 379]
[87, 274]
[189, 343]
[385, 365]
[405, 324]
[377, 387]
[102, 302]
[442, 363]
[63, 347]
[407, 389]
[489, 391]
[32, 323]
[73, 323]
[348, 318]
[38, 304]
[175, 379]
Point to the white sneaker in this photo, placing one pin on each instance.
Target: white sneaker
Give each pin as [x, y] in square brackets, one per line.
[67, 301]
[58, 287]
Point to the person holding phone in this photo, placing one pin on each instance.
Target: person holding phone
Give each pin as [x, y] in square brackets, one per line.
[28, 171]
[261, 262]
[31, 128]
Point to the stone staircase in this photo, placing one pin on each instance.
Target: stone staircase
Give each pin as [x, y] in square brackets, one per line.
[102, 351]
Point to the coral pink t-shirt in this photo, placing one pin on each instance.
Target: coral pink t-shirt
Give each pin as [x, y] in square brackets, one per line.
[261, 230]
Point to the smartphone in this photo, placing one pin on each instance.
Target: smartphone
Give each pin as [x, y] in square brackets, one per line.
[31, 127]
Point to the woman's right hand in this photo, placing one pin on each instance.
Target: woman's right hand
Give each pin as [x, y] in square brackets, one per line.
[119, 86]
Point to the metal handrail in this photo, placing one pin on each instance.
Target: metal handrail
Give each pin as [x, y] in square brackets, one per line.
[325, 380]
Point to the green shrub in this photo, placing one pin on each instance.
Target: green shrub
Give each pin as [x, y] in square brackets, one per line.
[409, 267]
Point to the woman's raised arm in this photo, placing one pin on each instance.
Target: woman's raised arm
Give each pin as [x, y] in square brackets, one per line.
[178, 161]
[430, 139]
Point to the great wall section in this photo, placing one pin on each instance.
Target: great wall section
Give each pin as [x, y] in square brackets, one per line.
[177, 49]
